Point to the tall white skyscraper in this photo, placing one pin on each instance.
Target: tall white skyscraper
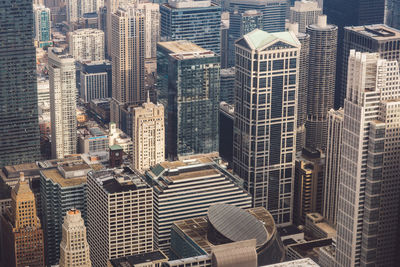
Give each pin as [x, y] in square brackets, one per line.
[151, 14]
[74, 248]
[305, 12]
[42, 26]
[369, 185]
[86, 44]
[63, 91]
[76, 8]
[264, 138]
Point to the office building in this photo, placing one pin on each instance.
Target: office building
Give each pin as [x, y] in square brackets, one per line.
[392, 17]
[305, 12]
[226, 225]
[226, 119]
[149, 259]
[186, 189]
[198, 22]
[378, 38]
[42, 26]
[19, 141]
[332, 165]
[92, 140]
[189, 75]
[74, 248]
[22, 234]
[224, 40]
[250, 20]
[227, 86]
[62, 104]
[127, 57]
[75, 9]
[321, 81]
[62, 187]
[151, 14]
[117, 137]
[308, 184]
[120, 215]
[148, 135]
[265, 119]
[96, 80]
[86, 44]
[369, 188]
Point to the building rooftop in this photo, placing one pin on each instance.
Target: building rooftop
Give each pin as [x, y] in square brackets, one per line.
[181, 46]
[57, 177]
[258, 39]
[131, 261]
[379, 32]
[180, 4]
[309, 249]
[307, 262]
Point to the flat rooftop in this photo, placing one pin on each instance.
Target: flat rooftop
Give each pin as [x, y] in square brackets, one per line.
[130, 261]
[376, 31]
[181, 46]
[56, 177]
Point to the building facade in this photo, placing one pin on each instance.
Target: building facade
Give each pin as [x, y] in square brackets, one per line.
[392, 17]
[62, 76]
[198, 22]
[321, 81]
[74, 248]
[95, 80]
[148, 135]
[152, 15]
[120, 216]
[19, 141]
[305, 12]
[86, 44]
[264, 139]
[22, 234]
[42, 26]
[369, 188]
[227, 86]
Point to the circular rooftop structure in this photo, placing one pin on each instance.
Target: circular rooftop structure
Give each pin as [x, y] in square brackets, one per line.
[236, 224]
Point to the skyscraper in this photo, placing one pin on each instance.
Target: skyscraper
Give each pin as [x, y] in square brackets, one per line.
[332, 165]
[393, 13]
[369, 185]
[265, 118]
[305, 13]
[250, 20]
[19, 126]
[127, 56]
[372, 38]
[62, 104]
[148, 135]
[151, 14]
[74, 248]
[42, 26]
[189, 79]
[321, 81]
[120, 216]
[76, 8]
[196, 21]
[86, 44]
[95, 80]
[22, 235]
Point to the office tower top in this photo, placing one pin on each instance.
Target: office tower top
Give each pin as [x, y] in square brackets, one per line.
[151, 14]
[369, 168]
[196, 21]
[42, 26]
[74, 248]
[321, 80]
[265, 118]
[148, 135]
[372, 38]
[305, 13]
[22, 240]
[190, 80]
[86, 44]
[18, 88]
[62, 104]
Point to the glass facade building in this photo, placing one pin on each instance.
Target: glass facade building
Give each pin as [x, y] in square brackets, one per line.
[196, 21]
[19, 127]
[42, 26]
[264, 136]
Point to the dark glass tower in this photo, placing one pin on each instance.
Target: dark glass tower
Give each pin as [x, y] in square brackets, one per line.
[19, 129]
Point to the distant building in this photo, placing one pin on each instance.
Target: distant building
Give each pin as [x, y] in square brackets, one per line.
[74, 248]
[185, 189]
[227, 87]
[86, 44]
[151, 27]
[305, 12]
[114, 228]
[226, 120]
[147, 259]
[118, 137]
[91, 140]
[393, 14]
[95, 80]
[198, 22]
[42, 26]
[22, 234]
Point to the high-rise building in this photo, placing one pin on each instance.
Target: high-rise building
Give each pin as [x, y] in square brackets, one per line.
[377, 38]
[62, 188]
[86, 44]
[227, 86]
[22, 235]
[267, 69]
[151, 14]
[369, 185]
[62, 104]
[127, 57]
[332, 165]
[250, 20]
[76, 8]
[19, 125]
[186, 189]
[148, 135]
[305, 12]
[198, 22]
[226, 119]
[190, 80]
[95, 80]
[74, 248]
[393, 13]
[224, 41]
[321, 81]
[120, 215]
[42, 26]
